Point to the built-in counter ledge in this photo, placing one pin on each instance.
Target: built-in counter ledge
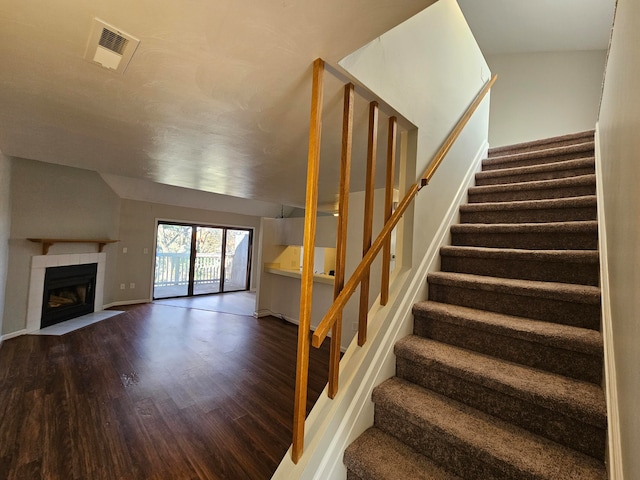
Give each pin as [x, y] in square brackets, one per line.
[47, 242]
[317, 277]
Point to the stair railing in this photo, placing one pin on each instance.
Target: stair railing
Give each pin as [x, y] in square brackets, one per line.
[332, 320]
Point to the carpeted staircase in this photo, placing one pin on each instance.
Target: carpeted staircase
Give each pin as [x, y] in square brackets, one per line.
[502, 376]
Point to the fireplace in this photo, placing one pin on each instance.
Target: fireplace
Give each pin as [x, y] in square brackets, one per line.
[39, 266]
[69, 292]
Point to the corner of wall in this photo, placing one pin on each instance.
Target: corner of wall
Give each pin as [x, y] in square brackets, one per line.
[614, 454]
[5, 229]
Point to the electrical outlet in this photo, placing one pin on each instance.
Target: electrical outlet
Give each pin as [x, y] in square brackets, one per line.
[122, 286]
[132, 285]
[124, 249]
[145, 250]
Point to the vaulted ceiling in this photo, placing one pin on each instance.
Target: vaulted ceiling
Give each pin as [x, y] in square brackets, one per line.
[216, 97]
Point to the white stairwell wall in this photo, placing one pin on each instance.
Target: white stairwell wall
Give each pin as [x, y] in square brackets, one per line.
[429, 69]
[619, 144]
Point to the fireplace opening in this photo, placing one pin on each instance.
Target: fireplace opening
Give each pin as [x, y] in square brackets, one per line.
[69, 292]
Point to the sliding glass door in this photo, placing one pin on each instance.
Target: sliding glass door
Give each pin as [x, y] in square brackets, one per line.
[237, 260]
[208, 264]
[189, 260]
[173, 261]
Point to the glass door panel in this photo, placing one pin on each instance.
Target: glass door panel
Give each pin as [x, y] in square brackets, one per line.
[237, 261]
[189, 260]
[173, 261]
[207, 268]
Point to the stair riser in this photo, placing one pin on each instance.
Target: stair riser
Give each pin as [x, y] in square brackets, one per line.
[530, 241]
[457, 456]
[540, 420]
[494, 164]
[531, 177]
[524, 193]
[563, 272]
[569, 363]
[530, 216]
[537, 146]
[548, 310]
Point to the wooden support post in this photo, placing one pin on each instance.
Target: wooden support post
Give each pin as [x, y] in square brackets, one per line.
[367, 230]
[388, 207]
[341, 241]
[306, 287]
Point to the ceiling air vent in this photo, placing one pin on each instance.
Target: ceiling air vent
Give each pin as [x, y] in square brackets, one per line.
[110, 47]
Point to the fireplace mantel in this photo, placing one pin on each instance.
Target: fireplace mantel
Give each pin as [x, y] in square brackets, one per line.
[47, 242]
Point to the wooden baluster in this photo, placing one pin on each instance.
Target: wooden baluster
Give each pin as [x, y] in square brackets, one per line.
[306, 287]
[363, 268]
[341, 241]
[388, 207]
[367, 230]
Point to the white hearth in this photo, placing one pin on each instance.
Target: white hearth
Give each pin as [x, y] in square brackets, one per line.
[40, 263]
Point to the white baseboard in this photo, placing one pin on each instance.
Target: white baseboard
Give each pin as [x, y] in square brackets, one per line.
[333, 424]
[12, 335]
[126, 302]
[614, 441]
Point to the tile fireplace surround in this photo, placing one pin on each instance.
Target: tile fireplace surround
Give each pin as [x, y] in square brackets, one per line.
[40, 263]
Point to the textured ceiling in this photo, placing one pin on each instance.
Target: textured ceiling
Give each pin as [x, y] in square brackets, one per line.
[217, 95]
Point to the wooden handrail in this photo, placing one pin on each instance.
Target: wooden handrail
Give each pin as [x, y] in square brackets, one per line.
[363, 268]
[342, 293]
[455, 133]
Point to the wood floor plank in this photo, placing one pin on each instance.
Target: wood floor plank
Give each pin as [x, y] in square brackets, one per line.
[158, 392]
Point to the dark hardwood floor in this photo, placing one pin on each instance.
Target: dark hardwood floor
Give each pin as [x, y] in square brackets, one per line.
[158, 392]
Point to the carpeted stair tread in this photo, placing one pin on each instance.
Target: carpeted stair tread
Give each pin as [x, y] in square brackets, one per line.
[376, 455]
[567, 202]
[583, 340]
[502, 377]
[515, 452]
[565, 266]
[566, 292]
[574, 398]
[545, 143]
[578, 235]
[560, 256]
[565, 209]
[548, 228]
[543, 185]
[545, 171]
[572, 351]
[537, 157]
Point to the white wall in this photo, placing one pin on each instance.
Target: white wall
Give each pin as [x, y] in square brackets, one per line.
[280, 295]
[540, 95]
[619, 129]
[137, 233]
[5, 226]
[429, 69]
[53, 201]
